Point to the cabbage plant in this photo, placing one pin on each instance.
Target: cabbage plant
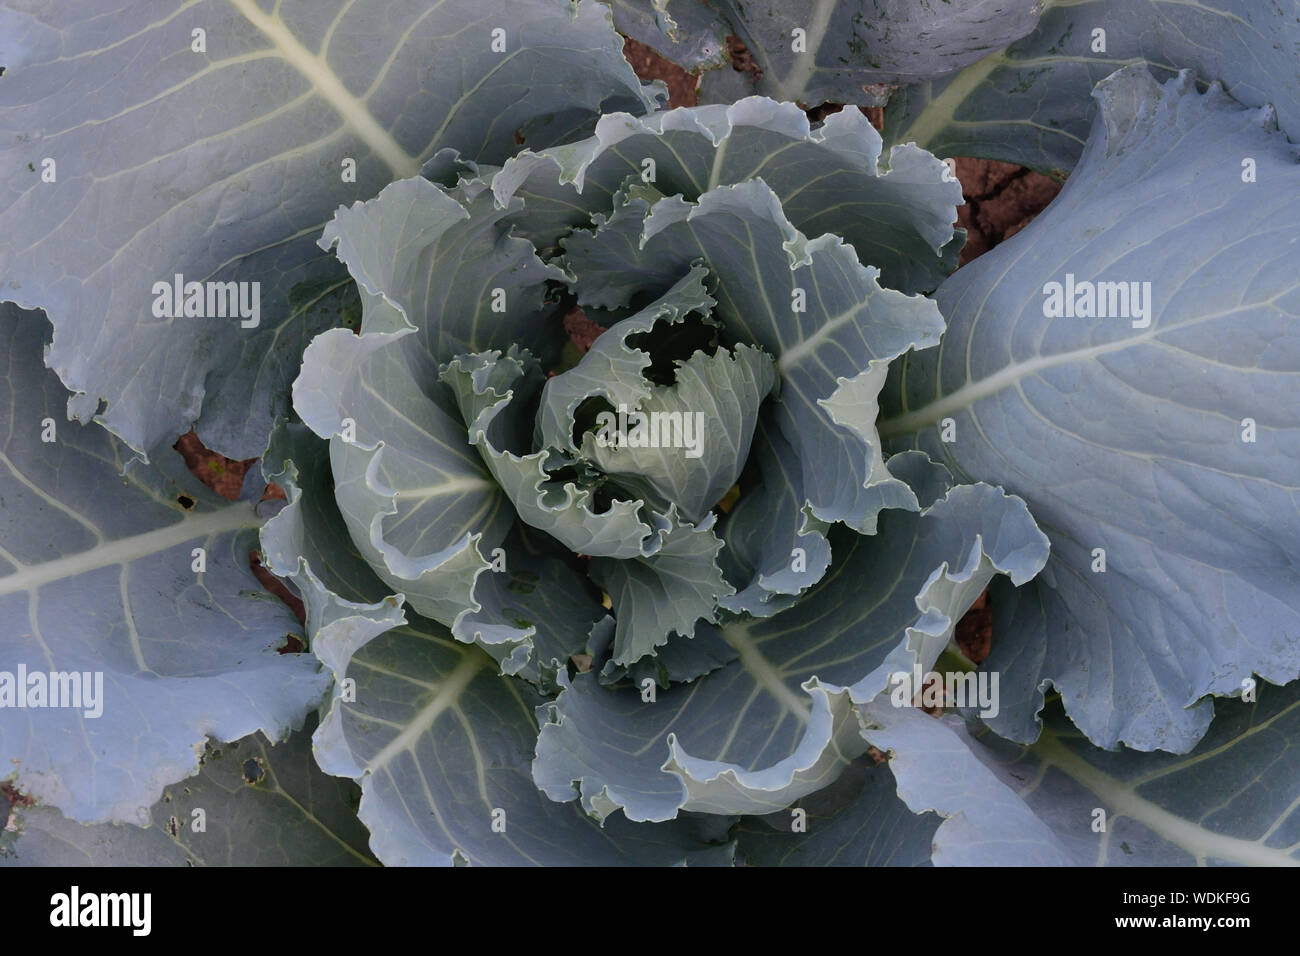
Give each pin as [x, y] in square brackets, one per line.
[639, 463]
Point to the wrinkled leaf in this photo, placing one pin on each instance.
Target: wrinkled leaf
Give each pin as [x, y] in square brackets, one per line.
[896, 209]
[760, 732]
[663, 593]
[710, 410]
[438, 740]
[486, 386]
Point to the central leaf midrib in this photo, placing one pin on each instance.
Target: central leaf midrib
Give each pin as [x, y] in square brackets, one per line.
[325, 82]
[236, 517]
[794, 84]
[972, 392]
[1124, 800]
[448, 693]
[765, 674]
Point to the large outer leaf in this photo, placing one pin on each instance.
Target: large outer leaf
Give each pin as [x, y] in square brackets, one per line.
[760, 732]
[436, 737]
[1232, 800]
[96, 576]
[262, 806]
[225, 165]
[987, 823]
[1029, 104]
[439, 741]
[1130, 439]
[851, 49]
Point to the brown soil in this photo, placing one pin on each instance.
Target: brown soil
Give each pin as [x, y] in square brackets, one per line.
[225, 476]
[582, 330]
[1001, 199]
[650, 66]
[742, 61]
[974, 632]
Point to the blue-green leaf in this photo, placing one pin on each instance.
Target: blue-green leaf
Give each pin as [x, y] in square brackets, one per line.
[1157, 445]
[986, 821]
[663, 593]
[614, 368]
[137, 583]
[227, 136]
[820, 313]
[437, 738]
[896, 210]
[702, 424]
[251, 804]
[690, 34]
[856, 821]
[1231, 801]
[485, 386]
[778, 722]
[851, 51]
[1029, 105]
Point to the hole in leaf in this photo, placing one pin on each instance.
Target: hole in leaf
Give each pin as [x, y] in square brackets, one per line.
[668, 344]
[602, 499]
[16, 798]
[584, 420]
[581, 329]
[254, 773]
[185, 501]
